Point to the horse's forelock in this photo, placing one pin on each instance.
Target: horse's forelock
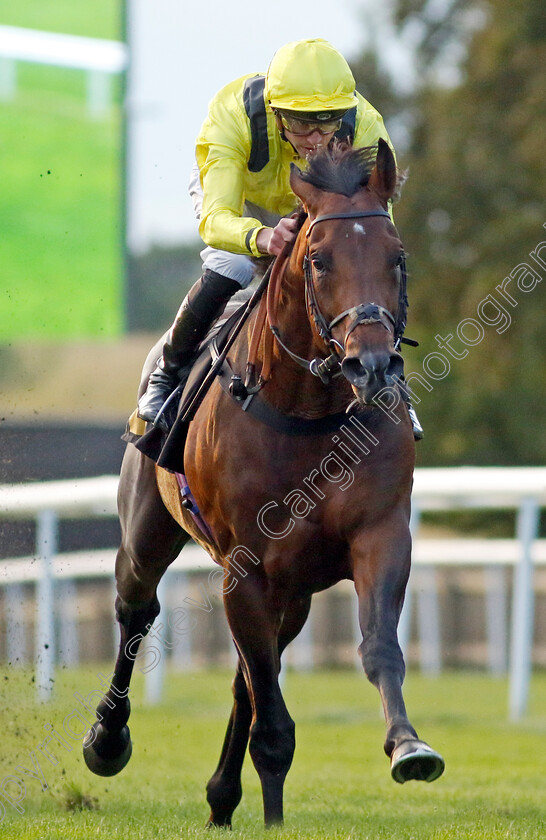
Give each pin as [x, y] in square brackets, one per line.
[341, 169]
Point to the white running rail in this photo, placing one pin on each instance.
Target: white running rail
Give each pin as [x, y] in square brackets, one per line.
[435, 489]
[99, 58]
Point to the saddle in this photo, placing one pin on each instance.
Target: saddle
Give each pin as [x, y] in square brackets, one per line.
[167, 448]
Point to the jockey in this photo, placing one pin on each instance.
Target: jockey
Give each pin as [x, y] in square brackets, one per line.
[240, 185]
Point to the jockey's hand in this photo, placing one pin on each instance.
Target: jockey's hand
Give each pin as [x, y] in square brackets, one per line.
[273, 240]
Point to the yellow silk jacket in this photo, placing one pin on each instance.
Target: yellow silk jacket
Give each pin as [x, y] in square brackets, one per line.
[243, 158]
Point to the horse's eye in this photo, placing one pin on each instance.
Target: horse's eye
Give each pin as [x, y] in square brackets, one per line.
[318, 265]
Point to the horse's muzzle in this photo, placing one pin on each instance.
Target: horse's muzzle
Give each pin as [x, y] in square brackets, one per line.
[370, 372]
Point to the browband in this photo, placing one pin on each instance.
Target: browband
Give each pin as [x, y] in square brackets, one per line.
[355, 214]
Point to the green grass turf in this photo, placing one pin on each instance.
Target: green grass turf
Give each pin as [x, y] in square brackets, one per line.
[60, 202]
[338, 787]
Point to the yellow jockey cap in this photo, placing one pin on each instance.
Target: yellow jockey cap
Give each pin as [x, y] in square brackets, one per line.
[310, 76]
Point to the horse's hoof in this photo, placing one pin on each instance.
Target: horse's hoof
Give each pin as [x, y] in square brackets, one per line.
[416, 760]
[106, 753]
[210, 823]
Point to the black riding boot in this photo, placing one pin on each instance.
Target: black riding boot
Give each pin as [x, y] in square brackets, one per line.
[202, 305]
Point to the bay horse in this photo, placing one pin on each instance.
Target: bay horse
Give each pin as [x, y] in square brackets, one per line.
[298, 499]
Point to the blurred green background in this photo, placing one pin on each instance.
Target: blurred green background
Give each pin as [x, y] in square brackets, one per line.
[60, 200]
[472, 210]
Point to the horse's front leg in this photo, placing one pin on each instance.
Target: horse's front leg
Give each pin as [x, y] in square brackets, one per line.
[255, 621]
[224, 789]
[151, 540]
[381, 563]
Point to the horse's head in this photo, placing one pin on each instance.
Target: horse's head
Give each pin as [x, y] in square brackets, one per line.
[352, 263]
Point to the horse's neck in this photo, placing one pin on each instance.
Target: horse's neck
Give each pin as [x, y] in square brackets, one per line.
[293, 389]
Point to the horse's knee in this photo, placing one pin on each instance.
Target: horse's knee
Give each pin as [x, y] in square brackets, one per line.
[381, 656]
[136, 577]
[272, 747]
[136, 616]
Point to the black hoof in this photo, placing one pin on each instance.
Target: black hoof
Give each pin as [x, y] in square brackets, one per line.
[416, 760]
[107, 753]
[211, 823]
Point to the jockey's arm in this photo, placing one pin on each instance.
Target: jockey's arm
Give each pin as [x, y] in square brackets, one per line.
[222, 152]
[222, 224]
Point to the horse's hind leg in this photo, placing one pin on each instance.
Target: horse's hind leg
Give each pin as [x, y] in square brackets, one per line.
[151, 540]
[224, 789]
[381, 561]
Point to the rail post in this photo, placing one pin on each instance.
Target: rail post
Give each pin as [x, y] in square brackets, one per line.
[523, 610]
[46, 548]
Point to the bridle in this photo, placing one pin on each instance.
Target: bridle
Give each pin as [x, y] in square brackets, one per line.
[364, 313]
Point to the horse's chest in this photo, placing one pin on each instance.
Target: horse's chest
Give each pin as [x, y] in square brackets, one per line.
[307, 559]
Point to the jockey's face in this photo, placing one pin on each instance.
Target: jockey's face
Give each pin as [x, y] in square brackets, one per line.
[306, 144]
[309, 143]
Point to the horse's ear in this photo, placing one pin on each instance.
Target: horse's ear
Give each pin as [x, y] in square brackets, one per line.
[383, 177]
[305, 191]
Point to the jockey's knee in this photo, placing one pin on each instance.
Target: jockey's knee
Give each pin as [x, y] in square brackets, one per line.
[237, 267]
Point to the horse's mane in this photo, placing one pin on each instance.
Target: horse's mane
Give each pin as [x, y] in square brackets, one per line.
[342, 169]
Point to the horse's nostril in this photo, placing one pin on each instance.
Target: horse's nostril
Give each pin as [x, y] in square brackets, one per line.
[353, 369]
[396, 366]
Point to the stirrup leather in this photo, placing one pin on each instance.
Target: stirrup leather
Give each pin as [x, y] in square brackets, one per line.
[418, 432]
